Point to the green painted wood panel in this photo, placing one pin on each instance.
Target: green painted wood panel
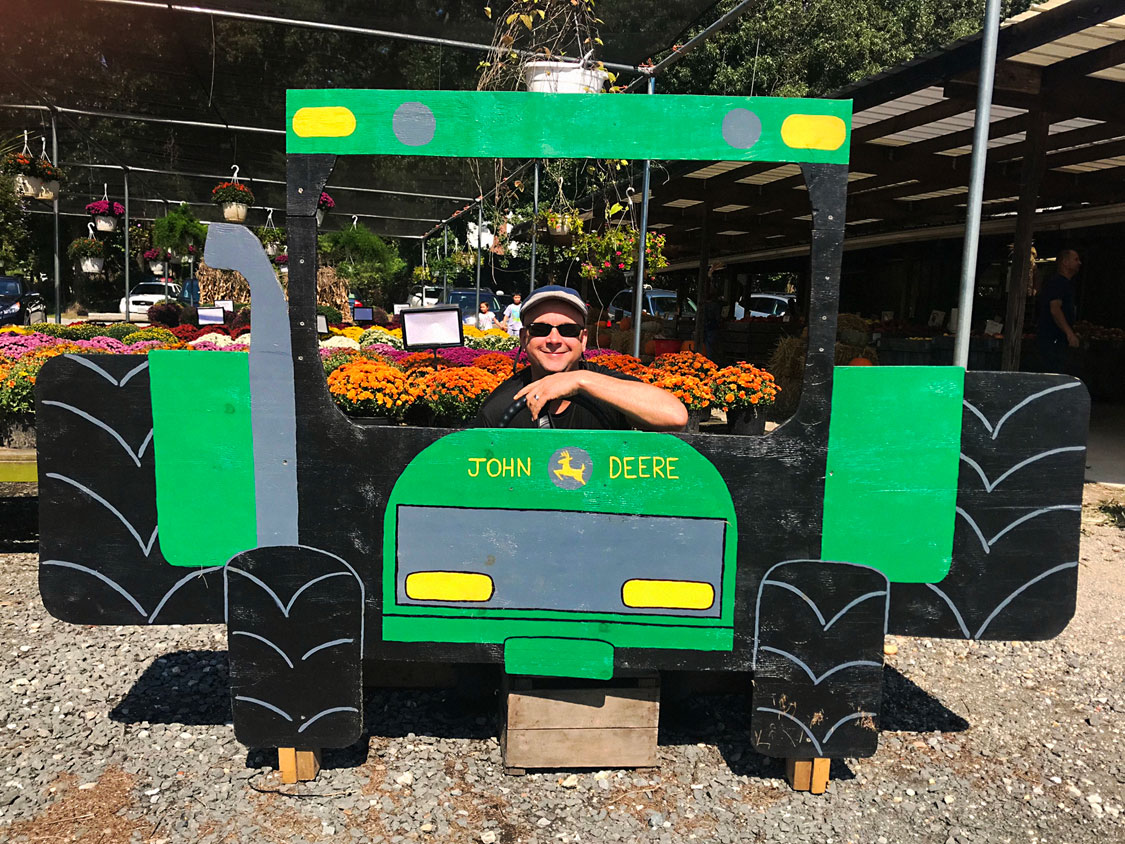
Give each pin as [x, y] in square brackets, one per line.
[894, 446]
[204, 456]
[517, 124]
[559, 657]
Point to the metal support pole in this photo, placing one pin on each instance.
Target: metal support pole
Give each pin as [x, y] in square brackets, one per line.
[55, 214]
[534, 224]
[444, 270]
[480, 226]
[976, 182]
[128, 257]
[638, 297]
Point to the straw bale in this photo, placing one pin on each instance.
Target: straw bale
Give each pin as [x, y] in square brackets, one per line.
[215, 285]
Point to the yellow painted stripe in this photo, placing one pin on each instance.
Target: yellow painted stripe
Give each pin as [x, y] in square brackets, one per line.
[668, 594]
[323, 122]
[814, 131]
[14, 473]
[448, 586]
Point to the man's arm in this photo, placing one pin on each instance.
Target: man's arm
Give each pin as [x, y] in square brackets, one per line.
[1060, 320]
[648, 407]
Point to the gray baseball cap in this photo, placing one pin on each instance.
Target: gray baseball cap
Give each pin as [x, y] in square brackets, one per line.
[553, 293]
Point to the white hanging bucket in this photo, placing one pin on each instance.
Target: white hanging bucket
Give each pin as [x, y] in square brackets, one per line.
[548, 77]
[92, 265]
[234, 212]
[105, 222]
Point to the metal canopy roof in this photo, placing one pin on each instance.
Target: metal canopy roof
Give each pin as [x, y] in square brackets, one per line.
[179, 96]
[911, 145]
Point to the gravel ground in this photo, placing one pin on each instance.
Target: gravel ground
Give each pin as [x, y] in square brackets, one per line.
[112, 735]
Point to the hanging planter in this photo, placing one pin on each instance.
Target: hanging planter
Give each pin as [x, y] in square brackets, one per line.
[557, 77]
[157, 261]
[28, 186]
[323, 206]
[88, 251]
[271, 237]
[33, 177]
[105, 213]
[282, 262]
[233, 197]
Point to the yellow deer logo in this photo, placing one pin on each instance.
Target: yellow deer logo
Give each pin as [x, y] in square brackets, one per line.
[565, 470]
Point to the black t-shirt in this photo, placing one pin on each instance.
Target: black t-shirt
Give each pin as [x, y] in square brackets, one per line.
[583, 412]
[1057, 287]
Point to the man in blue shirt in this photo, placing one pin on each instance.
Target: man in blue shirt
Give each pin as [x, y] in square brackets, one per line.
[1056, 313]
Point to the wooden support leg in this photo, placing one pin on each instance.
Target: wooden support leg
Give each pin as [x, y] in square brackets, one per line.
[297, 765]
[808, 774]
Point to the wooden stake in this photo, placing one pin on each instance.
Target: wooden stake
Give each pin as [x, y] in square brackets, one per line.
[809, 775]
[297, 765]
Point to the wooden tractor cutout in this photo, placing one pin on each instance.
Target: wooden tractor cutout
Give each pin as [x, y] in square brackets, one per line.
[202, 487]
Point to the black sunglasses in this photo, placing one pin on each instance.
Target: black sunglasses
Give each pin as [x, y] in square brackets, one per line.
[543, 329]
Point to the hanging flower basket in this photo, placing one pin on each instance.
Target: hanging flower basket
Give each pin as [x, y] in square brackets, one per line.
[554, 77]
[157, 260]
[34, 177]
[282, 262]
[92, 266]
[234, 212]
[234, 198]
[272, 249]
[323, 206]
[105, 214]
[88, 251]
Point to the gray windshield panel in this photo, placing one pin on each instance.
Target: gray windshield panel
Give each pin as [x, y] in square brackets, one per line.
[559, 560]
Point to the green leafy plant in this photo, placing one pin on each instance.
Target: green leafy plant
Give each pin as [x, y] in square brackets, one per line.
[178, 230]
[270, 234]
[370, 265]
[16, 250]
[331, 314]
[550, 29]
[613, 252]
[85, 247]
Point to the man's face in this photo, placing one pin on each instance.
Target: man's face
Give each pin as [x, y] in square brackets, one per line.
[553, 353]
[1070, 263]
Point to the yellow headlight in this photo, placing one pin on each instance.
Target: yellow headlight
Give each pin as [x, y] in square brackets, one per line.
[814, 131]
[448, 586]
[668, 594]
[323, 122]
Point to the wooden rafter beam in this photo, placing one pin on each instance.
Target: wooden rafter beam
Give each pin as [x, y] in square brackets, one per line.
[1065, 19]
[1065, 71]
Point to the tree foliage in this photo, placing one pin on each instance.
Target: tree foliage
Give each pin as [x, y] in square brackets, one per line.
[16, 253]
[814, 47]
[371, 265]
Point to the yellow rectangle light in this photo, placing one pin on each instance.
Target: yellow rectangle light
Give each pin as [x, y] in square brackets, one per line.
[448, 586]
[668, 594]
[814, 131]
[323, 122]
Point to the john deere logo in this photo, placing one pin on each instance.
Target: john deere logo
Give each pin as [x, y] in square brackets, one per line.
[570, 468]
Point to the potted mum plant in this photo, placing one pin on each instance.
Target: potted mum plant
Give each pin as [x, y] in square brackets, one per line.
[744, 391]
[105, 213]
[234, 198]
[371, 390]
[89, 252]
[693, 392]
[282, 262]
[157, 260]
[454, 395]
[323, 206]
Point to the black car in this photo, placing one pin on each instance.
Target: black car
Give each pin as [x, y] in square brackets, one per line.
[19, 303]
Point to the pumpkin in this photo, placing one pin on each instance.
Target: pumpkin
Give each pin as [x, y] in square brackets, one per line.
[625, 323]
[860, 362]
[649, 347]
[688, 346]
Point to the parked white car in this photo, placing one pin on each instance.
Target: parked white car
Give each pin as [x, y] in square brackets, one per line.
[148, 293]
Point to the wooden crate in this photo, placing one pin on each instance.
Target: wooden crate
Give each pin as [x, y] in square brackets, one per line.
[550, 722]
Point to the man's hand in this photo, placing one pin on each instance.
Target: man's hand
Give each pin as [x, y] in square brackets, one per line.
[1072, 339]
[559, 385]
